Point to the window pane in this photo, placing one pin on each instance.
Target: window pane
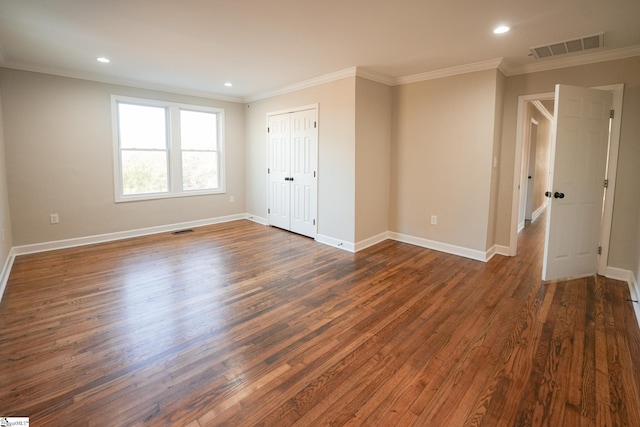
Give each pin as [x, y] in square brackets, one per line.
[198, 130]
[199, 170]
[142, 127]
[144, 172]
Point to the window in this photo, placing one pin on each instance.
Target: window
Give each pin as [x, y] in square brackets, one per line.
[166, 150]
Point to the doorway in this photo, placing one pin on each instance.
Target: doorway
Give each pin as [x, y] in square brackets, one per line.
[520, 176]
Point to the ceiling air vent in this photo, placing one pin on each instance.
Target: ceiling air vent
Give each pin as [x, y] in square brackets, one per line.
[569, 46]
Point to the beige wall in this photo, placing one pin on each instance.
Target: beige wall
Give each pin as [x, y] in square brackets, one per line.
[5, 214]
[372, 158]
[58, 136]
[336, 153]
[495, 171]
[623, 248]
[442, 154]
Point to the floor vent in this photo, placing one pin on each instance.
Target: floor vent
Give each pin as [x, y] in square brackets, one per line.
[569, 46]
[182, 231]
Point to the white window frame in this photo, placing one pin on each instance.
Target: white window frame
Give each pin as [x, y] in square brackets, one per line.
[174, 161]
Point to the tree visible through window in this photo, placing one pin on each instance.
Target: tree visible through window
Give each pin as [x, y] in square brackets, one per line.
[166, 150]
[199, 137]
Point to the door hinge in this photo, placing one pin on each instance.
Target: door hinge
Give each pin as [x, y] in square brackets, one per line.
[269, 211]
[599, 250]
[315, 125]
[314, 222]
[268, 129]
[314, 174]
[606, 183]
[268, 170]
[612, 113]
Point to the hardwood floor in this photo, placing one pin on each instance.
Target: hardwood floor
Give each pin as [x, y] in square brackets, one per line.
[238, 324]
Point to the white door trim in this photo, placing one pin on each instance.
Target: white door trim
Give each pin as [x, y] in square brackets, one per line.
[612, 170]
[612, 166]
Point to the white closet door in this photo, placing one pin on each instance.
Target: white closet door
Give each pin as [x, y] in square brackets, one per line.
[304, 158]
[279, 169]
[293, 180]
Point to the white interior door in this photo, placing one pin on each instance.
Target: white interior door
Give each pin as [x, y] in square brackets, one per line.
[581, 130]
[293, 159]
[279, 168]
[304, 155]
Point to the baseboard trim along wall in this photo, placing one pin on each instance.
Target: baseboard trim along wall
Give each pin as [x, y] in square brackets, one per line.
[336, 243]
[119, 235]
[634, 286]
[374, 240]
[6, 270]
[257, 219]
[439, 246]
[108, 237]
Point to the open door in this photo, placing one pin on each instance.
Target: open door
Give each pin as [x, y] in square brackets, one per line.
[577, 183]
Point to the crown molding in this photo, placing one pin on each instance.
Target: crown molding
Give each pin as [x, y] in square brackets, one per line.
[376, 77]
[572, 61]
[452, 71]
[122, 82]
[326, 78]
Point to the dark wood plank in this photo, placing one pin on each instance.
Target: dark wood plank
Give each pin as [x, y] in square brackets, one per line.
[240, 324]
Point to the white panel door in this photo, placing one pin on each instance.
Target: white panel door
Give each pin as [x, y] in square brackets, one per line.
[293, 159]
[577, 182]
[279, 170]
[304, 155]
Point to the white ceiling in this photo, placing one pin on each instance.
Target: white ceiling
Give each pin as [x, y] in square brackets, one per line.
[194, 46]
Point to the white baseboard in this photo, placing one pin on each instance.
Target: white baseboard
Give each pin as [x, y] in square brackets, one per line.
[538, 212]
[374, 240]
[618, 274]
[119, 235]
[6, 270]
[634, 286]
[258, 219]
[439, 246]
[340, 244]
[497, 250]
[503, 250]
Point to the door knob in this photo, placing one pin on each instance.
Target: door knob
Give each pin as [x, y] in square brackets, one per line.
[558, 195]
[547, 193]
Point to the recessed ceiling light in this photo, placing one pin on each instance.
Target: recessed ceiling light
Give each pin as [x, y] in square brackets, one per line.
[501, 29]
[103, 59]
[228, 84]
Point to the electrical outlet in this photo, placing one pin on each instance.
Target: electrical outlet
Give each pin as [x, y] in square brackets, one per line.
[54, 218]
[232, 199]
[434, 220]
